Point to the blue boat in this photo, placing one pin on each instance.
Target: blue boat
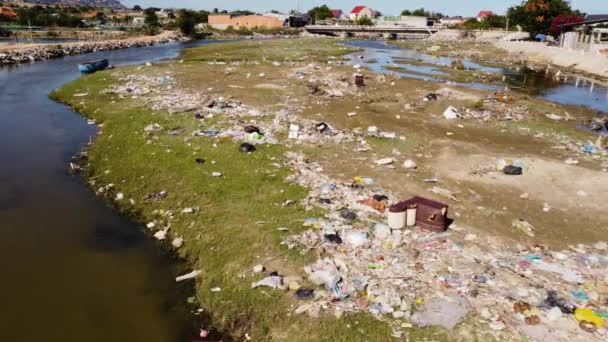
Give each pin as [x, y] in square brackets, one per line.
[93, 66]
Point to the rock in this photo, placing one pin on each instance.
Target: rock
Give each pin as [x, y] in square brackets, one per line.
[458, 64]
[385, 161]
[410, 164]
[258, 268]
[553, 117]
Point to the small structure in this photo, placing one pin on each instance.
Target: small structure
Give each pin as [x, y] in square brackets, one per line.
[483, 15]
[587, 36]
[139, 21]
[224, 21]
[360, 12]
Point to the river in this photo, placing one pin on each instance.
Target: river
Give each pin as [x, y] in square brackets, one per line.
[73, 269]
[568, 91]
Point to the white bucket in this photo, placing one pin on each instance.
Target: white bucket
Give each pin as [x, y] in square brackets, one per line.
[396, 220]
[411, 216]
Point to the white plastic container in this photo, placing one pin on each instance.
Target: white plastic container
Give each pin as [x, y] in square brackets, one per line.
[396, 217]
[411, 216]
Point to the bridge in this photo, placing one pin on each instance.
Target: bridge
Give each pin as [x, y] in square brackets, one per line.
[387, 31]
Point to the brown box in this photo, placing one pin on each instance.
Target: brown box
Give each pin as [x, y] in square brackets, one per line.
[430, 215]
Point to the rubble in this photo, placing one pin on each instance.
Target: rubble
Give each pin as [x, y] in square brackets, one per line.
[50, 51]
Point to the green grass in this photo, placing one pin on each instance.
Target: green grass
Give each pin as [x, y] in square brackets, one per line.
[310, 50]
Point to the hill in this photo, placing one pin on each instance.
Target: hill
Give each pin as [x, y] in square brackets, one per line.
[113, 4]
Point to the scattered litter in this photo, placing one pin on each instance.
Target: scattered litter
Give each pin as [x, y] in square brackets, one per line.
[187, 276]
[512, 170]
[177, 242]
[524, 226]
[246, 148]
[304, 293]
[451, 113]
[273, 282]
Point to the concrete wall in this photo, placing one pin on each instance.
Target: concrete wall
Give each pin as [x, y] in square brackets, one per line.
[587, 61]
[248, 21]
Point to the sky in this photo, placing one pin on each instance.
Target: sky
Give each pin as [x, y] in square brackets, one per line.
[449, 7]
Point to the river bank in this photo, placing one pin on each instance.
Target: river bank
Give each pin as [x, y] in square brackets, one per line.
[27, 53]
[170, 152]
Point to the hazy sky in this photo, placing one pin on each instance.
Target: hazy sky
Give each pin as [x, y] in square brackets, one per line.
[451, 7]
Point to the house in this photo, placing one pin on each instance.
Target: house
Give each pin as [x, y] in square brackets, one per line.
[223, 21]
[337, 13]
[452, 21]
[8, 12]
[359, 12]
[482, 15]
[139, 21]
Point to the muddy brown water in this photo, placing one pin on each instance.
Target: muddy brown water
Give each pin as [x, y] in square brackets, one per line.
[72, 268]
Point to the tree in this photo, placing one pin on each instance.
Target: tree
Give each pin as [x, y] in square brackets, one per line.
[320, 13]
[216, 11]
[151, 21]
[420, 13]
[137, 8]
[406, 12]
[186, 21]
[365, 21]
[556, 28]
[536, 16]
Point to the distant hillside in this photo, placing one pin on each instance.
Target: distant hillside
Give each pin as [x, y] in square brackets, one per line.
[114, 4]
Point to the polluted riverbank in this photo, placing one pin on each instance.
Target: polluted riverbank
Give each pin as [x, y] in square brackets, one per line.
[276, 179]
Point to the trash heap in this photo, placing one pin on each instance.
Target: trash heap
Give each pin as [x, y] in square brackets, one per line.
[426, 278]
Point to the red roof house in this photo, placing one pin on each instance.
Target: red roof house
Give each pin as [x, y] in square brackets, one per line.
[363, 11]
[357, 9]
[482, 15]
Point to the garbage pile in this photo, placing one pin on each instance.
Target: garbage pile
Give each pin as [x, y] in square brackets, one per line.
[440, 278]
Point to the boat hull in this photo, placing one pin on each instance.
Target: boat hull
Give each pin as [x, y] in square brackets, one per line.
[91, 67]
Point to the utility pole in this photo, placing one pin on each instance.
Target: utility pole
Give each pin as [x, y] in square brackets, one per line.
[507, 29]
[30, 27]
